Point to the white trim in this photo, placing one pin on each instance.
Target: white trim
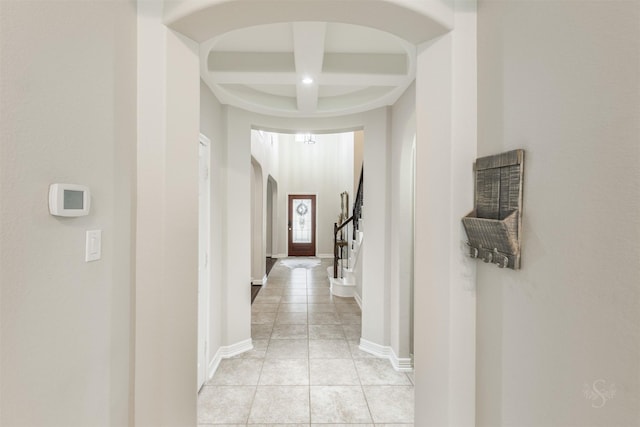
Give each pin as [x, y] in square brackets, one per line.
[386, 352]
[213, 364]
[279, 256]
[375, 349]
[400, 364]
[260, 282]
[227, 351]
[237, 348]
[358, 299]
[324, 256]
[204, 140]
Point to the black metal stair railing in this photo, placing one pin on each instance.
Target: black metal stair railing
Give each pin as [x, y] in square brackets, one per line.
[357, 215]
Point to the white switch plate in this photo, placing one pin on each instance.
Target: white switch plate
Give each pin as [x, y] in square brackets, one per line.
[93, 250]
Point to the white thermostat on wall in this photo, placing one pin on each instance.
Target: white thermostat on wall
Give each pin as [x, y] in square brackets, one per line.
[69, 200]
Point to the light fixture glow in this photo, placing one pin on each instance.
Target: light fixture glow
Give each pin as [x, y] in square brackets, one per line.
[307, 80]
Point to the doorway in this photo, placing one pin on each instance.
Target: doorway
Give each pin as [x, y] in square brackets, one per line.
[204, 238]
[302, 225]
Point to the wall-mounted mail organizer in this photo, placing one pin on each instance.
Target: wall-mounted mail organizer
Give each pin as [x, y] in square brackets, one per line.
[494, 226]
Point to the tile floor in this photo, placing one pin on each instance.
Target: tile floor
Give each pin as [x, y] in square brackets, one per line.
[305, 368]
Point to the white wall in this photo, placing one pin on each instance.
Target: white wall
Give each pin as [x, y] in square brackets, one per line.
[167, 224]
[211, 125]
[67, 114]
[444, 276]
[561, 80]
[324, 169]
[403, 133]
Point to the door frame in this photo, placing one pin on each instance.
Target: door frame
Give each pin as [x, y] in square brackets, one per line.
[314, 215]
[204, 262]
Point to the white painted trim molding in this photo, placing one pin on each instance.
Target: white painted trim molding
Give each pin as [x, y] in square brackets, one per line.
[279, 256]
[386, 352]
[227, 351]
[358, 299]
[326, 256]
[260, 282]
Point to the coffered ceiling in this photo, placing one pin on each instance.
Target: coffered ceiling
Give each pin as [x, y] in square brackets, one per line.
[307, 69]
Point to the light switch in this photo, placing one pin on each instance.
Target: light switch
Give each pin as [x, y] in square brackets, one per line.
[94, 245]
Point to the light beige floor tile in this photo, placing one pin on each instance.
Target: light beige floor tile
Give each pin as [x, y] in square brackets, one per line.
[285, 372]
[329, 349]
[320, 299]
[344, 300]
[258, 352]
[412, 377]
[356, 353]
[267, 299]
[278, 425]
[325, 332]
[280, 404]
[348, 308]
[288, 349]
[379, 372]
[333, 372]
[318, 291]
[294, 291]
[288, 318]
[294, 299]
[289, 332]
[293, 308]
[264, 308]
[270, 291]
[338, 404]
[261, 332]
[352, 332]
[237, 372]
[341, 425]
[390, 404]
[322, 308]
[350, 318]
[225, 404]
[324, 319]
[263, 318]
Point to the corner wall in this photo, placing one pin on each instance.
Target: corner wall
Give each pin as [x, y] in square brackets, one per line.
[67, 114]
[561, 80]
[212, 126]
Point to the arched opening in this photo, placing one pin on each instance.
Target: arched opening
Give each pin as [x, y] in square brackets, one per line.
[272, 217]
[257, 224]
[450, 385]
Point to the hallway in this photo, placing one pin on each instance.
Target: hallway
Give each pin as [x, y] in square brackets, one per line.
[305, 368]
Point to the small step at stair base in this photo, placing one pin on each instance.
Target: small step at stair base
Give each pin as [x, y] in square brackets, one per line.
[341, 287]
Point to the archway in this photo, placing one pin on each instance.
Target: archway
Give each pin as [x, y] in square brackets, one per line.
[165, 298]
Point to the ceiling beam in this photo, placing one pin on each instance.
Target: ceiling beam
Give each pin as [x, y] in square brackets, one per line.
[326, 79]
[308, 49]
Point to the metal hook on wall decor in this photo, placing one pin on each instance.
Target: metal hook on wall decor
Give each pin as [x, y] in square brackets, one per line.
[494, 226]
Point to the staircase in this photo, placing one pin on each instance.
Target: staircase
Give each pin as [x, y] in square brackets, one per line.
[342, 275]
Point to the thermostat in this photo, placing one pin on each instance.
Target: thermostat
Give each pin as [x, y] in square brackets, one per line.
[69, 200]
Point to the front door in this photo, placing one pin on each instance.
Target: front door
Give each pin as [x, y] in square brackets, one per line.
[302, 225]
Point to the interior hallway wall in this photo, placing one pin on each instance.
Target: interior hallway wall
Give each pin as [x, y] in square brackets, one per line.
[403, 131]
[212, 126]
[67, 115]
[562, 80]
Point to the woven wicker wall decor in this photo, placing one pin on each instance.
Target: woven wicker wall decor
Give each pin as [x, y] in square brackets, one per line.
[494, 226]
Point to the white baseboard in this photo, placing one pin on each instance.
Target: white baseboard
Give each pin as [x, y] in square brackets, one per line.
[279, 256]
[227, 351]
[324, 256]
[213, 365]
[386, 352]
[260, 282]
[358, 299]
